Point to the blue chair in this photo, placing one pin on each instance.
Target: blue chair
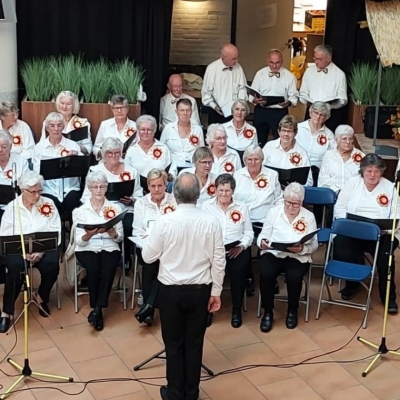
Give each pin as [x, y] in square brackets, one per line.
[349, 271]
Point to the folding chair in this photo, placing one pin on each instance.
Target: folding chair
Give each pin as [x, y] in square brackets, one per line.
[349, 271]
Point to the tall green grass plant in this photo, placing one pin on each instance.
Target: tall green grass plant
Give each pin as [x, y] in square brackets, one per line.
[95, 81]
[390, 89]
[363, 83]
[38, 78]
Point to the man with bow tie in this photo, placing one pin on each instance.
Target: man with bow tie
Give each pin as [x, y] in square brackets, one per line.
[168, 102]
[272, 81]
[224, 82]
[325, 82]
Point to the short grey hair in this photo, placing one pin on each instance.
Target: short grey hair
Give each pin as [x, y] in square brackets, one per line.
[224, 179]
[7, 107]
[211, 130]
[242, 103]
[111, 143]
[6, 137]
[156, 173]
[343, 130]
[251, 150]
[147, 118]
[29, 179]
[53, 116]
[324, 48]
[96, 176]
[71, 96]
[201, 153]
[370, 160]
[118, 99]
[187, 192]
[294, 191]
[322, 108]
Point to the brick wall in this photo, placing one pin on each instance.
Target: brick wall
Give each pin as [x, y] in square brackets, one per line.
[199, 29]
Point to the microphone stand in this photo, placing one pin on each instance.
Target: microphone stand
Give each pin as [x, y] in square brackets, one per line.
[25, 370]
[382, 347]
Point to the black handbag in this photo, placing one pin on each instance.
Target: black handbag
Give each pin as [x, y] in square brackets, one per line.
[384, 130]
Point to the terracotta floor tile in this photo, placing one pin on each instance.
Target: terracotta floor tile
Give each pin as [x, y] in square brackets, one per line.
[353, 393]
[331, 338]
[134, 396]
[53, 394]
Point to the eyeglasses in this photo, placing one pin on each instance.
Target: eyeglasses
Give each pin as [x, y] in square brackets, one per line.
[253, 160]
[286, 131]
[35, 192]
[291, 204]
[185, 111]
[119, 108]
[224, 191]
[318, 114]
[319, 59]
[101, 187]
[56, 126]
[347, 139]
[113, 153]
[205, 162]
[13, 114]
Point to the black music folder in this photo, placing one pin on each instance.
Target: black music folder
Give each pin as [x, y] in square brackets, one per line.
[232, 245]
[271, 100]
[106, 225]
[143, 180]
[65, 167]
[384, 224]
[7, 194]
[78, 134]
[283, 246]
[286, 176]
[118, 190]
[128, 143]
[38, 242]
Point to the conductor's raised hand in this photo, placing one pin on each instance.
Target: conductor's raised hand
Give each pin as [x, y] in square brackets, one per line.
[214, 304]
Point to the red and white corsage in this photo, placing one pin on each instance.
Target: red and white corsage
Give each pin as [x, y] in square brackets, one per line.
[194, 140]
[236, 216]
[8, 174]
[229, 167]
[129, 132]
[78, 123]
[17, 140]
[157, 153]
[46, 209]
[125, 176]
[64, 152]
[248, 134]
[322, 139]
[300, 226]
[211, 189]
[168, 208]
[382, 200]
[109, 212]
[295, 159]
[262, 182]
[357, 157]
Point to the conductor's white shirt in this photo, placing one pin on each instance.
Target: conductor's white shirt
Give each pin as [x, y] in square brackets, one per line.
[23, 142]
[189, 245]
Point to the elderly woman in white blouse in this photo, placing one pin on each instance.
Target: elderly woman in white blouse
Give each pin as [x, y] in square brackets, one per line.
[342, 163]
[147, 210]
[287, 222]
[22, 137]
[67, 104]
[98, 250]
[315, 138]
[240, 133]
[148, 152]
[38, 214]
[182, 137]
[285, 152]
[120, 126]
[226, 160]
[368, 195]
[238, 235]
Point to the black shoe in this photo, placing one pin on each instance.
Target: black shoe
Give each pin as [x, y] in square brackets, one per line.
[393, 309]
[146, 311]
[236, 320]
[209, 319]
[44, 311]
[291, 319]
[150, 319]
[250, 289]
[347, 293]
[266, 322]
[164, 392]
[4, 324]
[99, 326]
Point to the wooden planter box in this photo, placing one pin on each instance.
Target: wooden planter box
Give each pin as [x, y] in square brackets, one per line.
[355, 116]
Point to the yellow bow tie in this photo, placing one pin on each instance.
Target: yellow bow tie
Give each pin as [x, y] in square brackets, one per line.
[277, 74]
[324, 70]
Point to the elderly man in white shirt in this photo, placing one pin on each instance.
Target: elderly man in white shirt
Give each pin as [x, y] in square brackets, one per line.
[326, 82]
[274, 81]
[168, 102]
[191, 284]
[224, 82]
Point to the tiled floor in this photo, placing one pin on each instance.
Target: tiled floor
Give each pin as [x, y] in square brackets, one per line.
[79, 352]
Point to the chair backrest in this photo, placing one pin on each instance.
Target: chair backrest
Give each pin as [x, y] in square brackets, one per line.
[356, 229]
[319, 196]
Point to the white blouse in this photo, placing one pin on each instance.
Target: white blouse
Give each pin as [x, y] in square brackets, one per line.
[242, 140]
[259, 194]
[182, 149]
[235, 221]
[278, 228]
[228, 163]
[315, 144]
[86, 214]
[109, 128]
[43, 217]
[21, 167]
[146, 213]
[335, 172]
[22, 137]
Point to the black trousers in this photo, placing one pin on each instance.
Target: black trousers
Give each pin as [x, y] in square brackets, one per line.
[127, 225]
[183, 311]
[100, 271]
[266, 119]
[150, 284]
[214, 117]
[237, 271]
[270, 269]
[338, 117]
[65, 208]
[48, 267]
[352, 250]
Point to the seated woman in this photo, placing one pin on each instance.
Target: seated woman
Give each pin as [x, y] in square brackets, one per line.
[67, 104]
[368, 195]
[147, 210]
[148, 152]
[97, 250]
[341, 164]
[65, 194]
[202, 161]
[38, 214]
[285, 152]
[238, 235]
[314, 137]
[240, 133]
[120, 126]
[287, 222]
[182, 137]
[22, 137]
[226, 160]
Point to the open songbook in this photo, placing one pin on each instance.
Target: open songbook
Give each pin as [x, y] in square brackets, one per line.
[7, 194]
[271, 100]
[286, 176]
[384, 224]
[106, 225]
[283, 246]
[128, 143]
[78, 134]
[118, 190]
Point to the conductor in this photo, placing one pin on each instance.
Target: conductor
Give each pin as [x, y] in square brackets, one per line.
[189, 245]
